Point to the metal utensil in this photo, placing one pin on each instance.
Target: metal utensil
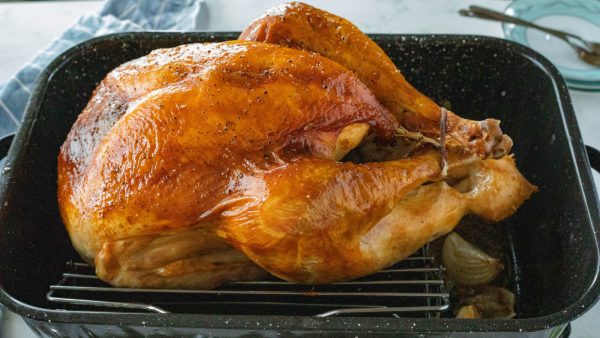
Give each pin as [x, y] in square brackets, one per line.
[587, 51]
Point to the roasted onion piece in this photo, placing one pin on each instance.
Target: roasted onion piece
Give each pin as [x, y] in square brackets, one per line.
[491, 301]
[468, 312]
[466, 264]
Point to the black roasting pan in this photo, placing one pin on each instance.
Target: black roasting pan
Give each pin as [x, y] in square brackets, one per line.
[554, 234]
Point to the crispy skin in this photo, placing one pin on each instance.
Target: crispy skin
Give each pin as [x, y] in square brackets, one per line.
[207, 163]
[190, 258]
[169, 140]
[325, 222]
[302, 26]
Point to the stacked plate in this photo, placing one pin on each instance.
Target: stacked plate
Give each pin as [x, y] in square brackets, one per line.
[580, 17]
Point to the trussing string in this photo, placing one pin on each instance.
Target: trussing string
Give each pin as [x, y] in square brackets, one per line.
[416, 136]
[443, 119]
[420, 138]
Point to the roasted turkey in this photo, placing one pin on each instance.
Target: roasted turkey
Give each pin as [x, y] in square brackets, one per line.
[299, 150]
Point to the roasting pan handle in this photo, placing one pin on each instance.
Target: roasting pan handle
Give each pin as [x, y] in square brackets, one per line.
[594, 157]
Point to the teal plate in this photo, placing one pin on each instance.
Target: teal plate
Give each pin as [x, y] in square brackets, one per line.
[580, 17]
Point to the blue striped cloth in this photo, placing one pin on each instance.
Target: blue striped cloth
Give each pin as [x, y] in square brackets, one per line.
[115, 16]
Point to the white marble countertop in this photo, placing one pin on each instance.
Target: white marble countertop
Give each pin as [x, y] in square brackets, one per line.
[23, 32]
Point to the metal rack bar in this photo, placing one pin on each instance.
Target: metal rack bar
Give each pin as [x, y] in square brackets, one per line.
[384, 310]
[275, 282]
[101, 303]
[414, 282]
[375, 282]
[249, 292]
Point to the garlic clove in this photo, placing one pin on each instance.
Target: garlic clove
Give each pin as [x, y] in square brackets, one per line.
[468, 311]
[466, 264]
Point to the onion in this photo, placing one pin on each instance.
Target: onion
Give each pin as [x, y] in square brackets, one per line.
[466, 264]
[491, 302]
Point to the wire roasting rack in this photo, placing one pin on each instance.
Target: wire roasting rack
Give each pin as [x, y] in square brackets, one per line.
[412, 288]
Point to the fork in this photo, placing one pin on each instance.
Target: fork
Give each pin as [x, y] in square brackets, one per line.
[587, 51]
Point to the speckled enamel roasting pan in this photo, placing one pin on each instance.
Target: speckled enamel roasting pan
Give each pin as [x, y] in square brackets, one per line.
[554, 235]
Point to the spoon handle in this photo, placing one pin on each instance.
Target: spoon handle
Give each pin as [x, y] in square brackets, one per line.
[484, 13]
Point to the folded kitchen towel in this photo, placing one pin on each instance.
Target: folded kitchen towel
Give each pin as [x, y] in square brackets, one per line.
[116, 16]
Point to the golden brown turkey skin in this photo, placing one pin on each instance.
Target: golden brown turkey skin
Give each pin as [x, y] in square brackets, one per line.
[205, 163]
[302, 26]
[325, 222]
[157, 153]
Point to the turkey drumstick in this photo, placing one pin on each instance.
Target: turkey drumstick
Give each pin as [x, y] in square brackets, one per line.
[302, 26]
